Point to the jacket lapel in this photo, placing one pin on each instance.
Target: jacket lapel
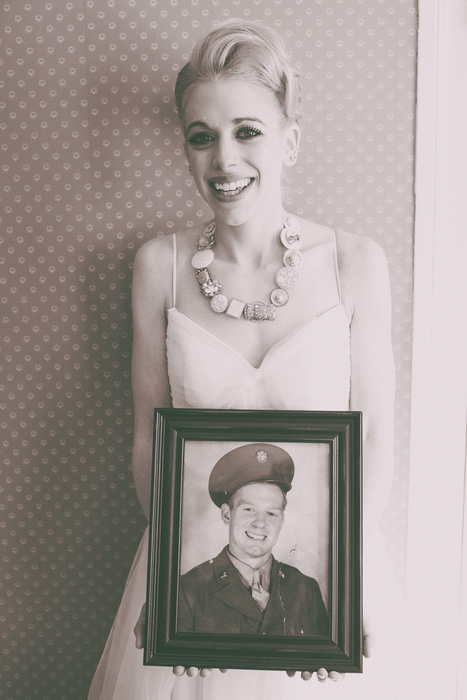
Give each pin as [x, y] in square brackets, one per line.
[232, 591]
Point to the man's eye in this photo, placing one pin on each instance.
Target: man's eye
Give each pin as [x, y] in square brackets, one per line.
[247, 133]
[200, 139]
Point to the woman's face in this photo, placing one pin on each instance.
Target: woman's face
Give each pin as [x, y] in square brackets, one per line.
[237, 145]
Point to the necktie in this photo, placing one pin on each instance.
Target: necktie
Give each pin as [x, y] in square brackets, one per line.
[257, 591]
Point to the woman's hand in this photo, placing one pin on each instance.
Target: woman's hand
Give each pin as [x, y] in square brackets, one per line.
[140, 634]
[193, 671]
[368, 639]
[140, 629]
[321, 674]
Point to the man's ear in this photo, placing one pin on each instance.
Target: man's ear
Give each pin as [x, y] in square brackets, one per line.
[225, 513]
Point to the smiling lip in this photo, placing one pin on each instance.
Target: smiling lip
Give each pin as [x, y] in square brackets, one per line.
[254, 536]
[227, 189]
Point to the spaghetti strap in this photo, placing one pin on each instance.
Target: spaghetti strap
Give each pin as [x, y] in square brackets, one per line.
[174, 270]
[336, 265]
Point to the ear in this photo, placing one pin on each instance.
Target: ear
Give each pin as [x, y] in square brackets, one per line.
[292, 142]
[185, 148]
[225, 513]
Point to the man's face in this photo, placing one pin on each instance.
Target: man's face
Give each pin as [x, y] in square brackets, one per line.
[255, 517]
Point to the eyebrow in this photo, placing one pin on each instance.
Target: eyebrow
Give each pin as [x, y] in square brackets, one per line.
[249, 503]
[237, 120]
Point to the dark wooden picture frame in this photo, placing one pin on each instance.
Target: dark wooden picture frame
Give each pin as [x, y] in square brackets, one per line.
[176, 430]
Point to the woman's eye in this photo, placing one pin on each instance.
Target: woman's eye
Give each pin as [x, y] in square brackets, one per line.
[247, 133]
[200, 139]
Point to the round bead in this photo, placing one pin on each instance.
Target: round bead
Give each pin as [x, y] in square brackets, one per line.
[293, 258]
[279, 297]
[287, 278]
[291, 239]
[219, 303]
[202, 258]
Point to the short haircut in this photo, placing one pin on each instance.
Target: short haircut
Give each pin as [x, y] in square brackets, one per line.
[243, 50]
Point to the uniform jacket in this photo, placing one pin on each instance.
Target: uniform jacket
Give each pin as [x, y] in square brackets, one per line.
[214, 599]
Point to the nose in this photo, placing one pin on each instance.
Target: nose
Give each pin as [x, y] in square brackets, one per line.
[225, 155]
[259, 520]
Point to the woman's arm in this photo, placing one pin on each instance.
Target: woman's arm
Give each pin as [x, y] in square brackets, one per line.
[366, 294]
[151, 296]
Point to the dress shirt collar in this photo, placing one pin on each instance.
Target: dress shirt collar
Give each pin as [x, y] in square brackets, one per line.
[246, 571]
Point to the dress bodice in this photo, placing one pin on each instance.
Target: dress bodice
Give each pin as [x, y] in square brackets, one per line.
[308, 369]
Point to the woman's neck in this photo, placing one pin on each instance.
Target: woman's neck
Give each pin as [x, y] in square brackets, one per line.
[255, 242]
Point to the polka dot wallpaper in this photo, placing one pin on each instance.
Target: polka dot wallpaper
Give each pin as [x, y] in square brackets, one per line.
[92, 166]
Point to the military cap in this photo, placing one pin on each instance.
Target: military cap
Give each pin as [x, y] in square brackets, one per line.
[249, 464]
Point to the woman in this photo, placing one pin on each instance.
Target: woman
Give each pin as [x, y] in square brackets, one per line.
[320, 299]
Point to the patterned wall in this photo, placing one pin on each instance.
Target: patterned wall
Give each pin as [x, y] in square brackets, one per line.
[91, 167]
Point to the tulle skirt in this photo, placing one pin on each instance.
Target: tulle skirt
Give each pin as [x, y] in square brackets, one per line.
[121, 674]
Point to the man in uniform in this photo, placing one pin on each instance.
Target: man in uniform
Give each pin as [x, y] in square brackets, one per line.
[244, 589]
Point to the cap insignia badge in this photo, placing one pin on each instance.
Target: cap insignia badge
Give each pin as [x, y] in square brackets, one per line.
[261, 456]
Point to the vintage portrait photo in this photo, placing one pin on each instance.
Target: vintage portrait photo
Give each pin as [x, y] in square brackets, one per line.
[255, 540]
[260, 516]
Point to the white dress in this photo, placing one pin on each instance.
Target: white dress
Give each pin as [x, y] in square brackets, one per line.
[309, 369]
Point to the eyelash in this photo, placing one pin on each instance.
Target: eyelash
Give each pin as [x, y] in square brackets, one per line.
[203, 138]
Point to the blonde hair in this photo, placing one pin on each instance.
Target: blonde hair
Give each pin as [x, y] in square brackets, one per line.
[243, 50]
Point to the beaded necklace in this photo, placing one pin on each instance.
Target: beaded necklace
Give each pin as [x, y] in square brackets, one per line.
[286, 277]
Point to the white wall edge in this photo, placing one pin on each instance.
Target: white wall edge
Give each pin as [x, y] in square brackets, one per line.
[439, 381]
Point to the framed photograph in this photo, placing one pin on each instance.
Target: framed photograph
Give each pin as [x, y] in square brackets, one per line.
[255, 540]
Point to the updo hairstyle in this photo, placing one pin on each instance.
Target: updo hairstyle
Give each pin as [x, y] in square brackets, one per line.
[242, 50]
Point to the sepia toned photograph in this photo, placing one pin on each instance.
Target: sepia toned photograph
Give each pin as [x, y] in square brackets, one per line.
[247, 539]
[263, 509]
[232, 206]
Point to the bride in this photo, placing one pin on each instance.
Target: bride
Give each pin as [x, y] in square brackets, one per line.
[254, 309]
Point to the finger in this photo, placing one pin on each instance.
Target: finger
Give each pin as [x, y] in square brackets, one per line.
[290, 674]
[306, 675]
[139, 629]
[192, 671]
[139, 637]
[205, 672]
[178, 670]
[334, 676]
[322, 675]
[369, 641]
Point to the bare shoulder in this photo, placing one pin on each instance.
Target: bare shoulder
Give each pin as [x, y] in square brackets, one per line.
[358, 252]
[363, 271]
[159, 251]
[156, 251]
[361, 260]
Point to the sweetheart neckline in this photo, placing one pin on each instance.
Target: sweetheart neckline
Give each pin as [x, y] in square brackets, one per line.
[280, 343]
